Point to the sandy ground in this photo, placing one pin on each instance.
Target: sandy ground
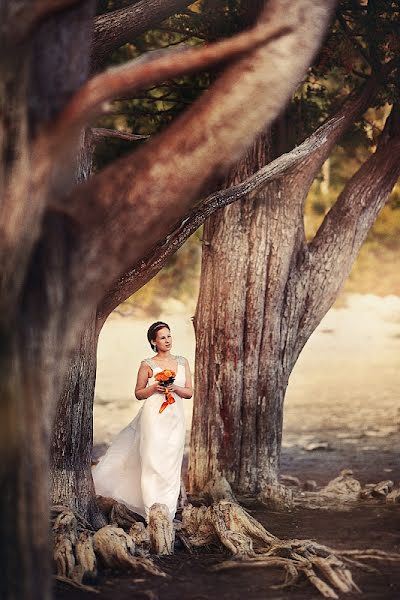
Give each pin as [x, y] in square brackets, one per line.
[343, 401]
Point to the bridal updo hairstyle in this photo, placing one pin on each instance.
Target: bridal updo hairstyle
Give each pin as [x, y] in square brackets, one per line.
[152, 332]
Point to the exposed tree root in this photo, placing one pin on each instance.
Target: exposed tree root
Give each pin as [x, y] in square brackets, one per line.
[141, 538]
[161, 530]
[65, 534]
[78, 550]
[126, 543]
[115, 549]
[227, 524]
[341, 492]
[277, 497]
[219, 489]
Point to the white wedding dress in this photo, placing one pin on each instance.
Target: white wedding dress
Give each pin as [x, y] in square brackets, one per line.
[143, 463]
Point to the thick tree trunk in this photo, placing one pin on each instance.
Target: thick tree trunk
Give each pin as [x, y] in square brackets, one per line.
[263, 291]
[71, 477]
[240, 381]
[38, 73]
[32, 365]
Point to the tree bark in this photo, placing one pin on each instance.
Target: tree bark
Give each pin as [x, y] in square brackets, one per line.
[71, 482]
[34, 294]
[32, 366]
[240, 383]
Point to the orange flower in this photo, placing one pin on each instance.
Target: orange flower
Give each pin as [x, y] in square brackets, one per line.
[165, 375]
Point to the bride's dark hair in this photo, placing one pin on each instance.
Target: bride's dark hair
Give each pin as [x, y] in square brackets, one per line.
[152, 332]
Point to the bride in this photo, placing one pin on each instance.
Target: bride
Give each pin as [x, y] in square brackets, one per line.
[143, 464]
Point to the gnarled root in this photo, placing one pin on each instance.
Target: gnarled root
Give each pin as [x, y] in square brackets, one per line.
[227, 524]
[342, 492]
[161, 530]
[64, 535]
[77, 549]
[115, 549]
[141, 538]
[85, 556]
[74, 556]
[219, 489]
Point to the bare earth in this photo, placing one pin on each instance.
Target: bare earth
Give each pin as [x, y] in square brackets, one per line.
[343, 396]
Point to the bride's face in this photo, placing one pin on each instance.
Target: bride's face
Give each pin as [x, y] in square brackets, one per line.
[163, 339]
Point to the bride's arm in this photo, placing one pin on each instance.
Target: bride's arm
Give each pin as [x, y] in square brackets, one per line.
[141, 391]
[187, 391]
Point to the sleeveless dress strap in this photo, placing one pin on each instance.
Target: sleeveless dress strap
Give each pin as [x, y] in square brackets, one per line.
[180, 360]
[152, 363]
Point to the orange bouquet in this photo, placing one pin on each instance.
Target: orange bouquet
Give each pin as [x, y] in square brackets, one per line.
[164, 378]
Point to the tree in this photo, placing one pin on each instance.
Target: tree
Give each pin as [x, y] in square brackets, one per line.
[64, 243]
[264, 288]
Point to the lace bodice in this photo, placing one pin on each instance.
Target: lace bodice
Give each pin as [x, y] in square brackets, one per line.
[180, 374]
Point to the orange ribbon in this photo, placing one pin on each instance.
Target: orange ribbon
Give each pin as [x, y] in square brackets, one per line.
[169, 399]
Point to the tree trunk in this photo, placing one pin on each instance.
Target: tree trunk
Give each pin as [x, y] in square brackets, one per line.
[54, 273]
[38, 72]
[71, 476]
[32, 362]
[240, 381]
[263, 291]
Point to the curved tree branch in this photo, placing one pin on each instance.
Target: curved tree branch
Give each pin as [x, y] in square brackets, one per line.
[113, 29]
[328, 134]
[130, 205]
[90, 101]
[332, 252]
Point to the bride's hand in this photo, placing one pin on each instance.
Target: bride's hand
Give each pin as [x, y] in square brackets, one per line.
[171, 387]
[159, 388]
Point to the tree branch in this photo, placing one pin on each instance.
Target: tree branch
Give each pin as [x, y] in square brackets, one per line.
[113, 29]
[100, 133]
[328, 134]
[338, 240]
[90, 101]
[322, 139]
[125, 209]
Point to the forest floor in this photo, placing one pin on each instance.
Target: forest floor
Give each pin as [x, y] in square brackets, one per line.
[342, 412]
